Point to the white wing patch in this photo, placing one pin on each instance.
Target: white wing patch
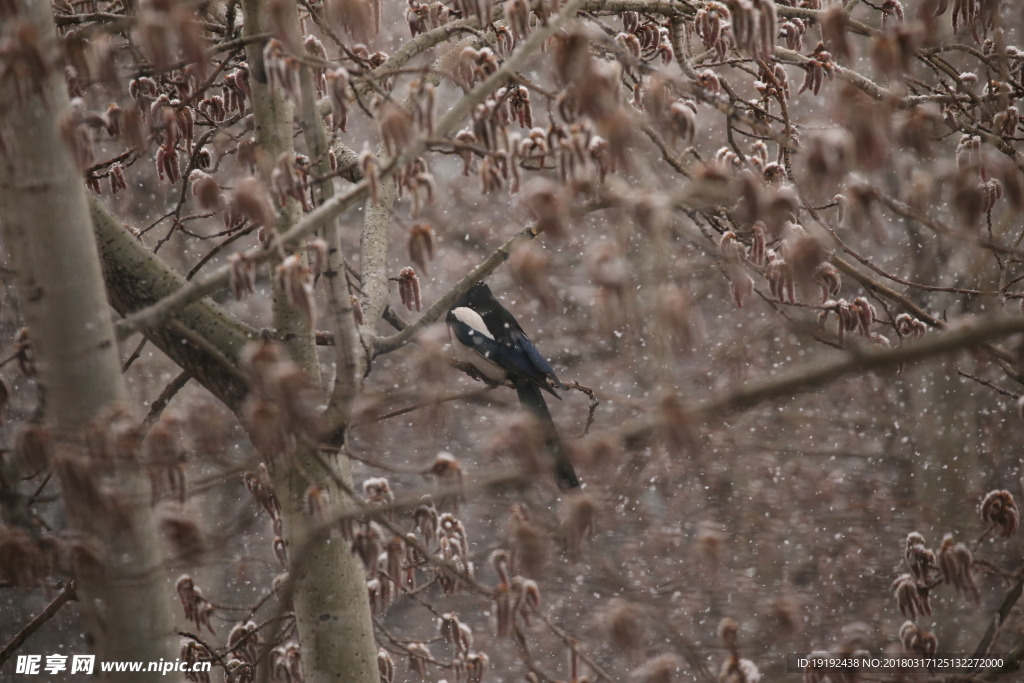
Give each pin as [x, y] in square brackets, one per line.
[472, 356]
[470, 317]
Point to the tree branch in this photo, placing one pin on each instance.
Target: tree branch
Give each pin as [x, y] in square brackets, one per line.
[197, 289]
[67, 593]
[137, 279]
[1000, 618]
[857, 361]
[441, 306]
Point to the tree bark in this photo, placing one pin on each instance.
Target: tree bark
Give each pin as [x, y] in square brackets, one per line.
[331, 604]
[125, 602]
[202, 338]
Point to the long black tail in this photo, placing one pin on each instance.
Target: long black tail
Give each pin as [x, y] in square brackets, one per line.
[532, 400]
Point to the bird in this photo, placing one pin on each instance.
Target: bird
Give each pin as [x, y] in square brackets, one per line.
[488, 338]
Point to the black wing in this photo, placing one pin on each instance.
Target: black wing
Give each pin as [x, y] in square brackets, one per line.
[520, 357]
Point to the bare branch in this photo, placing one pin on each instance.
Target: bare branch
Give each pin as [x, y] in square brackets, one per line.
[67, 593]
[965, 335]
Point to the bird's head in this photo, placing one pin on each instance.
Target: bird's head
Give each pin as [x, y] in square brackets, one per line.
[479, 294]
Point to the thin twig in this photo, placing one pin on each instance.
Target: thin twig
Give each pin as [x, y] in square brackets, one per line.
[135, 355]
[594, 403]
[67, 593]
[209, 648]
[164, 398]
[985, 382]
[39, 490]
[425, 404]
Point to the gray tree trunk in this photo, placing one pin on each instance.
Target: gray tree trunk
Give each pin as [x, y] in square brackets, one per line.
[331, 603]
[46, 228]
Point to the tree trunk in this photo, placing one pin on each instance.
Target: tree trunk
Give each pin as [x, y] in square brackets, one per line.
[331, 603]
[125, 602]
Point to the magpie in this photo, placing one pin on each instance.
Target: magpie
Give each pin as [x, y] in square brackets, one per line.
[486, 336]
